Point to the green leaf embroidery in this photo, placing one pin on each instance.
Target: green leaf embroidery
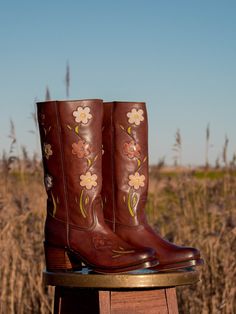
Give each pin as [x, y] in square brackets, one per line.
[139, 162]
[77, 129]
[129, 204]
[89, 161]
[54, 205]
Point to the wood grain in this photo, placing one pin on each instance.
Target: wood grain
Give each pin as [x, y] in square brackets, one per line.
[92, 301]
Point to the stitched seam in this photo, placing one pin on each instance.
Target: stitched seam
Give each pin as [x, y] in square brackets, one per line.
[63, 174]
[113, 169]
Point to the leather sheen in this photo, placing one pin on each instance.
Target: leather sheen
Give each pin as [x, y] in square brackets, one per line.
[125, 185]
[71, 140]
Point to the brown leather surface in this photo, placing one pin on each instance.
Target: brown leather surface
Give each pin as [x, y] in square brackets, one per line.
[108, 171]
[71, 140]
[128, 195]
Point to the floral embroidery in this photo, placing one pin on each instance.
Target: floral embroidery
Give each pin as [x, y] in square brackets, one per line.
[136, 180]
[83, 202]
[132, 149]
[48, 181]
[88, 180]
[81, 149]
[47, 148]
[55, 201]
[100, 242]
[82, 115]
[135, 116]
[41, 118]
[47, 152]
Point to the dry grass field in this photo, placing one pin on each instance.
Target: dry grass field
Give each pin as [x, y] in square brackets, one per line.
[189, 207]
[198, 208]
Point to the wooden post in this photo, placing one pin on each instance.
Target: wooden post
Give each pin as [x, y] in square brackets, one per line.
[86, 301]
[77, 293]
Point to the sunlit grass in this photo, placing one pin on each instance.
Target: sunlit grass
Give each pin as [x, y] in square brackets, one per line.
[194, 207]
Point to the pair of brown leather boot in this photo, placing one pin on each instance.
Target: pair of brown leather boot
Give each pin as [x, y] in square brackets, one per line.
[74, 135]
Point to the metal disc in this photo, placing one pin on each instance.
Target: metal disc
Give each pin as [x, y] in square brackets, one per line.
[135, 280]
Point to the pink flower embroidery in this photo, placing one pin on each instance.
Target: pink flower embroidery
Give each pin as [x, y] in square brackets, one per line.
[81, 149]
[135, 116]
[136, 180]
[48, 181]
[82, 115]
[47, 149]
[88, 180]
[132, 149]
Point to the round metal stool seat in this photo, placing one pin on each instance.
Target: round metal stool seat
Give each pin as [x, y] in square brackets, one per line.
[133, 280]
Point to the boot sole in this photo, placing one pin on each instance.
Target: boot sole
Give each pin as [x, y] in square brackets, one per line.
[180, 265]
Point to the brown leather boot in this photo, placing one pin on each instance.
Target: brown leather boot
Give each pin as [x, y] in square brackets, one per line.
[125, 186]
[75, 231]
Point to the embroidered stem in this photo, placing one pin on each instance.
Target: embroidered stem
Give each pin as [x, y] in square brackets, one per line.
[130, 204]
[128, 132]
[81, 206]
[54, 205]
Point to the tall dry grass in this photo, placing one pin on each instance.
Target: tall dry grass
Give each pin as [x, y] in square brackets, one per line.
[22, 204]
[198, 208]
[195, 208]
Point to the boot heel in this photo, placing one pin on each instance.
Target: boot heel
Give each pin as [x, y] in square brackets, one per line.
[59, 259]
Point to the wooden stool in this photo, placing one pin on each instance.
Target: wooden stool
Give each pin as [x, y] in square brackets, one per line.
[142, 292]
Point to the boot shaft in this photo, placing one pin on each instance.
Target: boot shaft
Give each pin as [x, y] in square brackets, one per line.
[127, 129]
[71, 144]
[125, 125]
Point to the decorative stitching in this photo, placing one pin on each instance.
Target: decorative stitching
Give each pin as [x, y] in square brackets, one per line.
[133, 150]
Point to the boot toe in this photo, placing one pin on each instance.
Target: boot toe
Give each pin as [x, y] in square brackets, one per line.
[187, 254]
[192, 253]
[146, 254]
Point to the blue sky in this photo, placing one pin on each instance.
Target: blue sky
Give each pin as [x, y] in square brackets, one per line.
[178, 56]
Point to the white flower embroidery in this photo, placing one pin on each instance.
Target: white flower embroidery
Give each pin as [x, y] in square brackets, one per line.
[135, 116]
[47, 148]
[88, 180]
[48, 181]
[136, 180]
[82, 115]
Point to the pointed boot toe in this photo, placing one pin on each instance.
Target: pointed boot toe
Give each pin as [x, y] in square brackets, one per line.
[189, 253]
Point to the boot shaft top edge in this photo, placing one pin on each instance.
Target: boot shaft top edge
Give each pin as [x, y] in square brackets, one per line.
[69, 101]
[125, 102]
